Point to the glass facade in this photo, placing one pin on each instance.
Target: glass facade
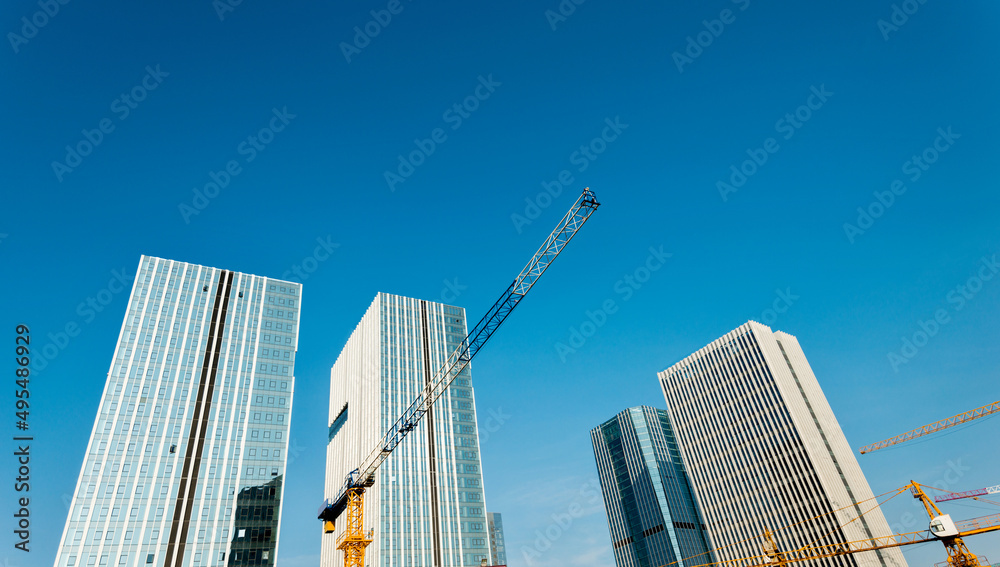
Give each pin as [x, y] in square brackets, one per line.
[427, 507]
[187, 455]
[652, 515]
[498, 550]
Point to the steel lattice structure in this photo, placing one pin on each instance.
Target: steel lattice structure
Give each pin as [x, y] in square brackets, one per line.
[459, 359]
[958, 553]
[968, 494]
[936, 426]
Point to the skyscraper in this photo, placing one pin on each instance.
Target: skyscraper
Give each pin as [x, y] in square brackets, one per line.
[651, 514]
[498, 549]
[186, 459]
[764, 450]
[427, 505]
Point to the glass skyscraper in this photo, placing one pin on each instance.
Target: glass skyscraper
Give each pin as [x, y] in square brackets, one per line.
[427, 506]
[186, 460]
[764, 450]
[652, 516]
[498, 550]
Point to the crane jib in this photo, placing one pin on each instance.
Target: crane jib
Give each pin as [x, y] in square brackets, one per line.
[459, 359]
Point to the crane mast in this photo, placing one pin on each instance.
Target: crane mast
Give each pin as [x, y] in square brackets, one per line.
[350, 499]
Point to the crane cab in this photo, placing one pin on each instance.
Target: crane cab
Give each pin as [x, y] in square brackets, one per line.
[943, 526]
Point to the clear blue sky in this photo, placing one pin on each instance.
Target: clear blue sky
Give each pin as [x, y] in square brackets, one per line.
[207, 85]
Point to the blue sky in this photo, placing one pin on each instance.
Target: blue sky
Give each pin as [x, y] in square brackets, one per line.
[687, 116]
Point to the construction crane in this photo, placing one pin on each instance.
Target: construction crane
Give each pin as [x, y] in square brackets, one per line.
[941, 528]
[936, 426]
[968, 494]
[350, 499]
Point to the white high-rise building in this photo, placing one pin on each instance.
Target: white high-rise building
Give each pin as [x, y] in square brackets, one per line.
[763, 450]
[186, 460]
[427, 506]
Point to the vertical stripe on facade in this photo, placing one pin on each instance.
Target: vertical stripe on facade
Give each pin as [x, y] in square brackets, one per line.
[196, 432]
[764, 450]
[431, 452]
[652, 515]
[380, 370]
[130, 486]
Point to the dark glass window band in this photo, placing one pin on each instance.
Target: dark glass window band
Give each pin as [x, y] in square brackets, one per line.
[199, 425]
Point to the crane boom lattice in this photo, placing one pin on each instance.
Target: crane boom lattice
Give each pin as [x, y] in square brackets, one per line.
[459, 359]
[936, 426]
[942, 529]
[968, 494]
[354, 540]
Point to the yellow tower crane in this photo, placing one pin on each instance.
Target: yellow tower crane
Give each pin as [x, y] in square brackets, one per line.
[941, 528]
[952, 421]
[351, 498]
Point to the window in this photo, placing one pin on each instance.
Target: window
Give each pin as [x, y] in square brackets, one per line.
[149, 558]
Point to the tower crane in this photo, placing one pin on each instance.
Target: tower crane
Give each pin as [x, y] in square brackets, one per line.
[936, 426]
[941, 528]
[350, 499]
[968, 494]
